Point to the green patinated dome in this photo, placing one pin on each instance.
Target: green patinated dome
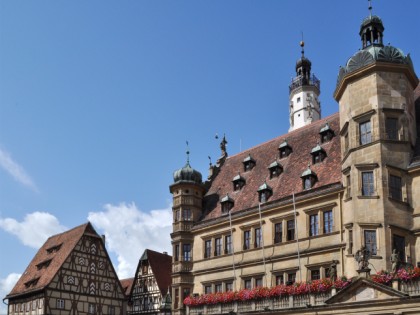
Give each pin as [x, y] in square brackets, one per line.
[187, 174]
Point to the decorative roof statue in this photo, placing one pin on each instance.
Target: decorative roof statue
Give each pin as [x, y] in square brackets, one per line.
[362, 257]
[333, 270]
[223, 144]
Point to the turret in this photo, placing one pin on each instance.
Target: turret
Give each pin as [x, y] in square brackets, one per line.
[304, 94]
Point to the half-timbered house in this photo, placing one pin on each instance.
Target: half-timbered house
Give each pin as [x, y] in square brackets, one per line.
[70, 274]
[151, 283]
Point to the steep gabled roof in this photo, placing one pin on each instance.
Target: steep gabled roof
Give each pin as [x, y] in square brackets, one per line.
[301, 141]
[49, 259]
[162, 269]
[161, 264]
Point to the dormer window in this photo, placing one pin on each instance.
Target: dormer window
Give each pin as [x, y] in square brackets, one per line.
[43, 264]
[54, 249]
[31, 283]
[285, 149]
[227, 204]
[326, 133]
[275, 169]
[309, 178]
[249, 163]
[264, 192]
[318, 154]
[238, 182]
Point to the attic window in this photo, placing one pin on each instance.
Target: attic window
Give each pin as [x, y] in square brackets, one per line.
[326, 133]
[309, 178]
[275, 169]
[54, 249]
[318, 154]
[285, 149]
[264, 192]
[31, 283]
[227, 204]
[43, 264]
[238, 182]
[249, 163]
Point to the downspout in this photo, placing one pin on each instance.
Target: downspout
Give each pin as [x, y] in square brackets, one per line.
[340, 209]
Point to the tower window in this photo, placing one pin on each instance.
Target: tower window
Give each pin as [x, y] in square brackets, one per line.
[365, 132]
[395, 187]
[367, 184]
[298, 100]
[391, 127]
[186, 214]
[187, 252]
[370, 241]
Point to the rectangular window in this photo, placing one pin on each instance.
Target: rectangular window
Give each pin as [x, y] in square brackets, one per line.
[291, 277]
[187, 252]
[258, 282]
[328, 221]
[60, 304]
[350, 242]
[346, 143]
[248, 284]
[348, 186]
[207, 252]
[395, 187]
[218, 287]
[367, 184]
[365, 132]
[247, 239]
[111, 310]
[228, 244]
[290, 230]
[258, 238]
[278, 233]
[218, 246]
[370, 241]
[186, 214]
[91, 308]
[176, 252]
[177, 216]
[315, 274]
[391, 127]
[313, 225]
[229, 286]
[207, 289]
[279, 279]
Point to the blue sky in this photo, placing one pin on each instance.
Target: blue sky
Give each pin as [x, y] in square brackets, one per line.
[97, 99]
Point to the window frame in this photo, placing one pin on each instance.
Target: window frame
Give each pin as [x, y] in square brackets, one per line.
[395, 187]
[365, 132]
[60, 304]
[367, 241]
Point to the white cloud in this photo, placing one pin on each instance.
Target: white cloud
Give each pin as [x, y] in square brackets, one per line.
[35, 228]
[15, 170]
[6, 285]
[129, 231]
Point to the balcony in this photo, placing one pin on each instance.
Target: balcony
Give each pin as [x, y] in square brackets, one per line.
[302, 81]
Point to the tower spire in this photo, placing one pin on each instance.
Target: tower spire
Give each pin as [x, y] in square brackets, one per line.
[370, 8]
[188, 152]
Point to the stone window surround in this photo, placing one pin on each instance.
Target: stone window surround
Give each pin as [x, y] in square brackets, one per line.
[212, 238]
[395, 113]
[283, 218]
[251, 228]
[285, 273]
[368, 167]
[396, 171]
[253, 278]
[320, 211]
[212, 284]
[371, 226]
[322, 267]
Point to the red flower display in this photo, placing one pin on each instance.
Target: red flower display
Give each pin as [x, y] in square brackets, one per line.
[316, 286]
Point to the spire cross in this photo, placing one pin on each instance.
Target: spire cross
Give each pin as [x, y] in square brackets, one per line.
[188, 153]
[370, 8]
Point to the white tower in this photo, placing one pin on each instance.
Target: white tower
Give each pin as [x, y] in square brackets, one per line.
[304, 91]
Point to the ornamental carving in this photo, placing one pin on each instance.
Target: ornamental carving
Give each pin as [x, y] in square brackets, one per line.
[390, 54]
[359, 60]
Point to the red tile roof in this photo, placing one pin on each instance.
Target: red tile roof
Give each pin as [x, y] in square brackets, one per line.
[56, 249]
[161, 264]
[127, 284]
[302, 141]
